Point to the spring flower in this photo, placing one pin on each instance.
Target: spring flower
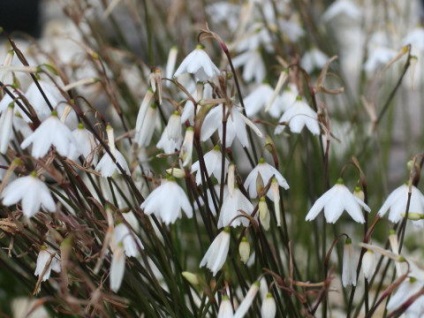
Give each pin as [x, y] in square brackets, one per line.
[244, 250]
[213, 162]
[313, 60]
[117, 267]
[231, 215]
[86, 143]
[297, 116]
[349, 265]
[6, 121]
[342, 8]
[269, 307]
[247, 301]
[37, 101]
[264, 216]
[33, 193]
[106, 165]
[396, 204]
[409, 287]
[51, 132]
[368, 264]
[253, 66]
[199, 64]
[167, 201]
[47, 261]
[266, 172]
[172, 137]
[258, 98]
[335, 201]
[217, 252]
[130, 242]
[236, 125]
[187, 147]
[286, 99]
[225, 308]
[146, 120]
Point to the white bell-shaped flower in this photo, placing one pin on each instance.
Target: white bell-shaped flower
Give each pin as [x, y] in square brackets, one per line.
[217, 252]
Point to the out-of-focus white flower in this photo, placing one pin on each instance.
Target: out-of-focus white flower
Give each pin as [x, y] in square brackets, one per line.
[167, 201]
[335, 201]
[258, 98]
[266, 172]
[247, 301]
[170, 64]
[253, 66]
[268, 308]
[172, 137]
[117, 268]
[86, 143]
[217, 252]
[106, 165]
[199, 64]
[286, 99]
[187, 147]
[378, 57]
[213, 163]
[230, 215]
[37, 101]
[349, 265]
[236, 126]
[407, 289]
[33, 193]
[47, 261]
[225, 308]
[129, 240]
[297, 116]
[51, 132]
[415, 38]
[396, 204]
[368, 264]
[314, 59]
[342, 8]
[146, 120]
[6, 121]
[291, 29]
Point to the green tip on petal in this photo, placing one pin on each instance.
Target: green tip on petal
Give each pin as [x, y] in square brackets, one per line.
[348, 240]
[200, 47]
[340, 181]
[54, 113]
[261, 160]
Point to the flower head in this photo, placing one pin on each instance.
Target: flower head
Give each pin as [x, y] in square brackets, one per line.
[47, 261]
[199, 64]
[349, 265]
[213, 162]
[396, 204]
[217, 252]
[167, 201]
[51, 132]
[33, 193]
[299, 115]
[172, 137]
[335, 201]
[231, 215]
[266, 172]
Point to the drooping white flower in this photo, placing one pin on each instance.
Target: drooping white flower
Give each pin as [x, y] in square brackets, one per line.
[129, 240]
[335, 201]
[378, 57]
[213, 163]
[247, 301]
[199, 64]
[314, 59]
[269, 307]
[32, 193]
[231, 215]
[37, 101]
[51, 132]
[297, 116]
[286, 99]
[266, 172]
[342, 8]
[396, 204]
[225, 308]
[253, 66]
[217, 252]
[6, 121]
[409, 287]
[86, 143]
[170, 64]
[258, 99]
[117, 268]
[167, 201]
[236, 125]
[106, 165]
[349, 265]
[172, 137]
[187, 147]
[368, 264]
[146, 120]
[47, 260]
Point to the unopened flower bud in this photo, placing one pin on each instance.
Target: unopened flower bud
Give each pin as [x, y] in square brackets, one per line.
[264, 213]
[176, 172]
[244, 250]
[191, 278]
[368, 264]
[268, 308]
